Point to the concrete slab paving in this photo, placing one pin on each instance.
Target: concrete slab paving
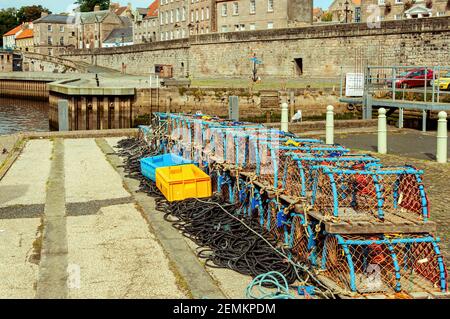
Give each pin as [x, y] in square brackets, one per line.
[25, 182]
[18, 268]
[118, 257]
[88, 175]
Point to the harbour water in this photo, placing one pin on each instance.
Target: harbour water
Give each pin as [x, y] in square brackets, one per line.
[23, 115]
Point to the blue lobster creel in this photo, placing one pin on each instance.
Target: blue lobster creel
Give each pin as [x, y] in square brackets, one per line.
[301, 240]
[299, 167]
[382, 263]
[374, 191]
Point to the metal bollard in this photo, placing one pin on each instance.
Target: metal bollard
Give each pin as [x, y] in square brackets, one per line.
[441, 147]
[284, 117]
[329, 125]
[382, 131]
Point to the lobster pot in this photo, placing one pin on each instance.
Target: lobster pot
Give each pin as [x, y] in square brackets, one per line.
[198, 133]
[375, 192]
[298, 168]
[383, 264]
[301, 240]
[218, 145]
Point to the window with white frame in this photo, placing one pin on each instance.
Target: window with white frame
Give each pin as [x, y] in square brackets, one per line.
[61, 28]
[224, 28]
[183, 33]
[177, 34]
[252, 26]
[162, 36]
[252, 6]
[235, 8]
[202, 16]
[207, 30]
[207, 13]
[270, 5]
[171, 35]
[167, 17]
[397, 17]
[398, 1]
[269, 25]
[177, 15]
[224, 10]
[171, 16]
[196, 15]
[381, 2]
[49, 27]
[183, 14]
[162, 19]
[441, 13]
[192, 16]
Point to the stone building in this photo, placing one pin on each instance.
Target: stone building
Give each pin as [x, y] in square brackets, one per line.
[24, 40]
[242, 15]
[95, 26]
[54, 33]
[380, 10]
[146, 24]
[317, 14]
[345, 11]
[9, 38]
[173, 21]
[6, 61]
[201, 16]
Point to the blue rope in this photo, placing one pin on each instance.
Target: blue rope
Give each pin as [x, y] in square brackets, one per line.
[256, 289]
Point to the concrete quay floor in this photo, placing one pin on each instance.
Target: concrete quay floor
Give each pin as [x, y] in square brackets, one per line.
[69, 229]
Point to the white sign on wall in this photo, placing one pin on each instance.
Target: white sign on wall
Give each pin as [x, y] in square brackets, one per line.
[354, 84]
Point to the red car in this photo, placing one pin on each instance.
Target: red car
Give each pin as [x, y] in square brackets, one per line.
[413, 78]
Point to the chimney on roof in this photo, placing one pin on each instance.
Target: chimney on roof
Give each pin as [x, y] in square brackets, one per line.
[129, 6]
[96, 8]
[44, 14]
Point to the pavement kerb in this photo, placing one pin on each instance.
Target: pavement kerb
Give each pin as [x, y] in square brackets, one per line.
[199, 282]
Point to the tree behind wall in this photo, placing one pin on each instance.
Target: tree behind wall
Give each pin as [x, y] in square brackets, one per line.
[8, 20]
[88, 5]
[30, 13]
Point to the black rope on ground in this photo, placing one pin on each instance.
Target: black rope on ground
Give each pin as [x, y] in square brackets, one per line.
[223, 240]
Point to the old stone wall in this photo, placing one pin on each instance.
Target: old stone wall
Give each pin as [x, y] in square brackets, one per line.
[317, 51]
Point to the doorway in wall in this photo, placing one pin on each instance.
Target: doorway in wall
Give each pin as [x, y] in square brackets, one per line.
[298, 66]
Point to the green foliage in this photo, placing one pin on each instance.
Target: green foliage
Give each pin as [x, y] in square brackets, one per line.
[8, 20]
[30, 13]
[327, 17]
[88, 5]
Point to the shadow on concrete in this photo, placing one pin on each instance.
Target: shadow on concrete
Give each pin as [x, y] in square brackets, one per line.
[10, 192]
[92, 207]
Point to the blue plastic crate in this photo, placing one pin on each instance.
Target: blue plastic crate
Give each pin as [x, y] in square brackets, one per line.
[150, 164]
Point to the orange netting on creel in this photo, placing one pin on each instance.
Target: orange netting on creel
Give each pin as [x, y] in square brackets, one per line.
[400, 193]
[355, 194]
[374, 268]
[299, 248]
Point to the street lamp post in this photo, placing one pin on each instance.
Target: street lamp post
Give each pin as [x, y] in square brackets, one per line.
[346, 3]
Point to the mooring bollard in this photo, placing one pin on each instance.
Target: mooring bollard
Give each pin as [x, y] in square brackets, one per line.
[329, 125]
[284, 117]
[382, 131]
[441, 147]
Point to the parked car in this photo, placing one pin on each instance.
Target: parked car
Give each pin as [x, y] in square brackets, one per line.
[413, 78]
[443, 82]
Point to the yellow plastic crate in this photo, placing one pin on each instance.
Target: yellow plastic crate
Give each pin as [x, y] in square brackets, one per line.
[183, 181]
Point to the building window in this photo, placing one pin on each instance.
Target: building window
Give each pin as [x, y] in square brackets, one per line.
[171, 16]
[441, 14]
[171, 35]
[381, 2]
[49, 27]
[61, 28]
[398, 1]
[252, 6]
[207, 30]
[235, 8]
[270, 5]
[177, 34]
[252, 26]
[192, 16]
[162, 36]
[207, 13]
[224, 28]
[162, 18]
[224, 10]
[397, 17]
[183, 33]
[269, 25]
[183, 14]
[167, 17]
[61, 41]
[177, 15]
[49, 41]
[202, 14]
[196, 15]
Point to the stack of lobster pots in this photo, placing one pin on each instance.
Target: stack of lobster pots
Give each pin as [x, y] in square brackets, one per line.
[362, 227]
